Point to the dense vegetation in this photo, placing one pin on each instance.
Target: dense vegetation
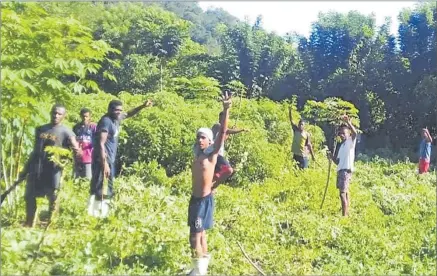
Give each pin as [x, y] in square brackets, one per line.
[84, 54]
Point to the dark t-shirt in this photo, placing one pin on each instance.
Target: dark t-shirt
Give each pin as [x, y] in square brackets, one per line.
[112, 127]
[49, 135]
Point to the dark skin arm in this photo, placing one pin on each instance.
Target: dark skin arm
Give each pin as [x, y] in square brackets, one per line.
[105, 165]
[290, 116]
[333, 158]
[75, 146]
[137, 109]
[331, 155]
[235, 131]
[216, 129]
[310, 148]
[223, 131]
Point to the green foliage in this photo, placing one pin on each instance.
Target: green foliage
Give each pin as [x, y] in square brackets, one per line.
[201, 88]
[60, 156]
[56, 51]
[330, 111]
[45, 57]
[391, 228]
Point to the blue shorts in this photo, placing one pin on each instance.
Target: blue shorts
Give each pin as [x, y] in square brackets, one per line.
[200, 213]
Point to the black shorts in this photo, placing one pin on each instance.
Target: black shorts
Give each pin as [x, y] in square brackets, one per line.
[45, 184]
[200, 213]
[302, 162]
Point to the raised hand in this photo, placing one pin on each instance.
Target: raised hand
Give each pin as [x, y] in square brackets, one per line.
[227, 102]
[346, 118]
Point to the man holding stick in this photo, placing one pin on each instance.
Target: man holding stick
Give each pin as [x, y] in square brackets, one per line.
[345, 162]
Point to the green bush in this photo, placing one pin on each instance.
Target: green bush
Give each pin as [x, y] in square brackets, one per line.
[271, 208]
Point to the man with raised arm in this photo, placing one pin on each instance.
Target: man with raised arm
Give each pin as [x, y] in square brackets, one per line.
[201, 206]
[425, 151]
[301, 143]
[345, 162]
[105, 152]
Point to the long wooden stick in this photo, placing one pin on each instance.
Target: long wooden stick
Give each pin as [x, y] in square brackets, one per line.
[11, 188]
[250, 261]
[329, 176]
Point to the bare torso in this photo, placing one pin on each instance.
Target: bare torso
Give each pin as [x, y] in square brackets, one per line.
[202, 171]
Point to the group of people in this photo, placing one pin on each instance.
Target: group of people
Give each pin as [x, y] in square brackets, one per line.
[95, 149]
[94, 146]
[344, 157]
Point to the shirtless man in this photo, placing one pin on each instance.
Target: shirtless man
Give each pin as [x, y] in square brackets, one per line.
[201, 207]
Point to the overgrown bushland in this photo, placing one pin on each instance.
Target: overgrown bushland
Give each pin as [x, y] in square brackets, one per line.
[271, 208]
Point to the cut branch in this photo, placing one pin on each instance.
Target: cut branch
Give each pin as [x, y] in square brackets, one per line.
[250, 261]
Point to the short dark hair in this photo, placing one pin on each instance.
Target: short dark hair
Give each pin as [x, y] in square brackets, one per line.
[58, 105]
[302, 121]
[114, 103]
[84, 110]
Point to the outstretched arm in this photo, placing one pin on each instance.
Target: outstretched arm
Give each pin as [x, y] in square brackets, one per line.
[235, 131]
[224, 125]
[137, 109]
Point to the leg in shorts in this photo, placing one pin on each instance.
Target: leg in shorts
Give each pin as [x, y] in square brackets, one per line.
[200, 213]
[302, 162]
[82, 170]
[47, 184]
[343, 180]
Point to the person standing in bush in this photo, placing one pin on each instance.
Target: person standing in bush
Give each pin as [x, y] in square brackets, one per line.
[84, 131]
[345, 162]
[201, 206]
[223, 169]
[44, 175]
[425, 151]
[301, 143]
[105, 150]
